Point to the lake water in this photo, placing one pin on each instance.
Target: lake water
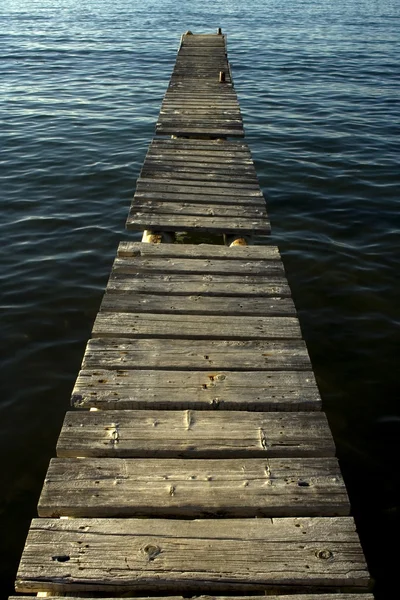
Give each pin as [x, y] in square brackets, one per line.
[318, 82]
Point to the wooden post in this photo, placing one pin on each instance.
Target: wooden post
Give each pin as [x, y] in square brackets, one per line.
[222, 78]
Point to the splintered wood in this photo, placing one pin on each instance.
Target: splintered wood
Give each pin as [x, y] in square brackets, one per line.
[202, 463]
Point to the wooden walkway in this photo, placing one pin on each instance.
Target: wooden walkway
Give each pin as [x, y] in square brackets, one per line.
[198, 185]
[200, 461]
[200, 99]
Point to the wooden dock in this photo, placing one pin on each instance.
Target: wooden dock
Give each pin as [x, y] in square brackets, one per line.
[197, 459]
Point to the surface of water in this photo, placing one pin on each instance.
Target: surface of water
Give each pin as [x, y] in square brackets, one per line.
[81, 87]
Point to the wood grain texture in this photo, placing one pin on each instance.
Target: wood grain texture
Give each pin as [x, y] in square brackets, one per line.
[190, 434]
[270, 487]
[196, 73]
[224, 164]
[256, 355]
[167, 390]
[199, 284]
[215, 327]
[182, 222]
[199, 251]
[197, 305]
[157, 263]
[200, 556]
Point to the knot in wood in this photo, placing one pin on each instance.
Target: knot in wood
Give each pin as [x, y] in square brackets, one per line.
[324, 554]
[151, 551]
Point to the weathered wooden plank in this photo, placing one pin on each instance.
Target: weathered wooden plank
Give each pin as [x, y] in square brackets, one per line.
[203, 251]
[215, 327]
[162, 222]
[185, 556]
[143, 207]
[209, 157]
[187, 165]
[199, 355]
[200, 144]
[206, 90]
[215, 112]
[251, 487]
[202, 390]
[176, 211]
[192, 266]
[205, 285]
[182, 129]
[211, 185]
[235, 203]
[196, 305]
[197, 175]
[207, 188]
[194, 434]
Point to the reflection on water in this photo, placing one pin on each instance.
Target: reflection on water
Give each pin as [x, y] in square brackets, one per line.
[317, 84]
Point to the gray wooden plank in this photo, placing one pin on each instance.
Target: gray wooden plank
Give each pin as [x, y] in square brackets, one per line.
[210, 157]
[186, 164]
[222, 186]
[196, 305]
[192, 556]
[181, 129]
[200, 144]
[198, 284]
[180, 173]
[191, 434]
[215, 327]
[235, 203]
[143, 207]
[157, 262]
[203, 251]
[235, 225]
[192, 148]
[255, 355]
[202, 390]
[215, 112]
[207, 188]
[179, 488]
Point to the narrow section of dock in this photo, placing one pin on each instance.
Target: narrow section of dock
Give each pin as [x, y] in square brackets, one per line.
[200, 100]
[199, 461]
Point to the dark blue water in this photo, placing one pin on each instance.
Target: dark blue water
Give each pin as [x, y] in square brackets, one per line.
[318, 82]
